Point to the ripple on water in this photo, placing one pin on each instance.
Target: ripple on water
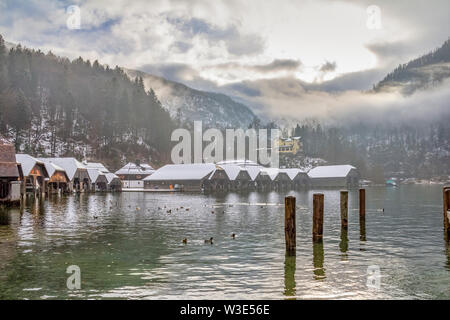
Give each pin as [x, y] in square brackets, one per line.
[138, 254]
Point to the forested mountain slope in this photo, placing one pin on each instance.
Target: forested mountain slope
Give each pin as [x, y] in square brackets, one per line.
[52, 106]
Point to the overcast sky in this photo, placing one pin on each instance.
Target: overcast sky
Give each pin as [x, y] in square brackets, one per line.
[249, 49]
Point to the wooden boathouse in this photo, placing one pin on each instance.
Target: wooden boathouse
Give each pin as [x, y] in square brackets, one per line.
[334, 176]
[76, 171]
[58, 181]
[182, 177]
[10, 175]
[299, 178]
[34, 173]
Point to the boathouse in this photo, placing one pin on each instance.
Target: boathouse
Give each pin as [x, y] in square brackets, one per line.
[218, 180]
[114, 183]
[10, 175]
[133, 174]
[299, 178]
[334, 176]
[34, 173]
[76, 172]
[239, 177]
[98, 180]
[105, 180]
[263, 180]
[280, 179]
[253, 172]
[182, 177]
[57, 180]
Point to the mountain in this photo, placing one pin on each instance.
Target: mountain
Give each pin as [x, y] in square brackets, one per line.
[187, 105]
[421, 73]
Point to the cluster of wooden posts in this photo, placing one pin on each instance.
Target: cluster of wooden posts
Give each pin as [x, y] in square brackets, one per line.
[317, 226]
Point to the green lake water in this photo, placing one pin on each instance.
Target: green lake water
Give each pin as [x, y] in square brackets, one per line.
[128, 246]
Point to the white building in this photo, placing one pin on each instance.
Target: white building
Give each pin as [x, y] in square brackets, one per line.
[132, 175]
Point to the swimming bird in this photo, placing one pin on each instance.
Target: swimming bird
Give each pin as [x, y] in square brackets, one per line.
[185, 241]
[233, 236]
[210, 241]
[212, 211]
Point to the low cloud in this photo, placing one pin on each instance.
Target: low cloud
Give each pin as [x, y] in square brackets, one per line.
[289, 101]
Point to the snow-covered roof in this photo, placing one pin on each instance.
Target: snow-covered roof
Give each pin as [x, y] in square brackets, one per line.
[52, 167]
[292, 173]
[70, 165]
[96, 165]
[271, 172]
[94, 174]
[28, 162]
[253, 171]
[340, 171]
[194, 171]
[231, 170]
[242, 163]
[110, 177]
[132, 168]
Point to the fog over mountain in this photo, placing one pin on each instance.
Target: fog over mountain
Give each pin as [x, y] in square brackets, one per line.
[187, 105]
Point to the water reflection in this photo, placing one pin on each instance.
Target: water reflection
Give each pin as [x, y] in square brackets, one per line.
[343, 244]
[318, 258]
[362, 229]
[447, 250]
[129, 253]
[4, 217]
[289, 275]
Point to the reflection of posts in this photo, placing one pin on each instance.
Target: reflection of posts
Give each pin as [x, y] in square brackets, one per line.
[289, 275]
[318, 217]
[343, 245]
[318, 258]
[289, 225]
[447, 253]
[362, 230]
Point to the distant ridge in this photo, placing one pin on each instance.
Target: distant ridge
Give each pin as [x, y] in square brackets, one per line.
[424, 72]
[187, 105]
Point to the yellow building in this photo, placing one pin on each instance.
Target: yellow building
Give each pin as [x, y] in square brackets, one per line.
[291, 145]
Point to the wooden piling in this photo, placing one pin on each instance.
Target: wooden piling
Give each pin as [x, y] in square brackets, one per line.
[289, 225]
[344, 209]
[362, 204]
[446, 194]
[318, 217]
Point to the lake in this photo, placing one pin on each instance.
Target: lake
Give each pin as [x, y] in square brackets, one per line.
[128, 246]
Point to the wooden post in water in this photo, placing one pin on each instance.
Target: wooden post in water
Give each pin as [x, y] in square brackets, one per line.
[362, 204]
[344, 209]
[446, 209]
[289, 225]
[318, 217]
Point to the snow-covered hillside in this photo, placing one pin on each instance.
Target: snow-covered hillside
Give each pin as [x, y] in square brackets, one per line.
[187, 105]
